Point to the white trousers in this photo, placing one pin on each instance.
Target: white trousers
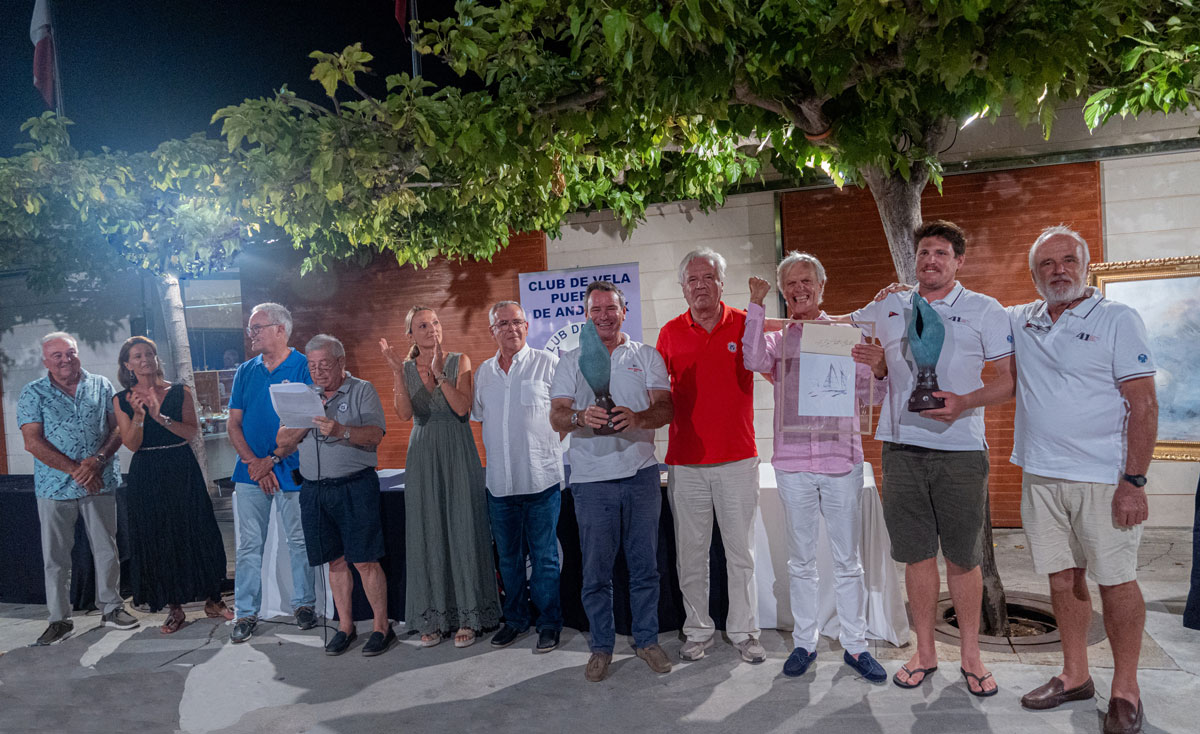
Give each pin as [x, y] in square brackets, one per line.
[57, 519]
[838, 499]
[696, 493]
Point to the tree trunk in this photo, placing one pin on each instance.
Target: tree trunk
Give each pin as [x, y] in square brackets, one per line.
[899, 204]
[994, 617]
[177, 332]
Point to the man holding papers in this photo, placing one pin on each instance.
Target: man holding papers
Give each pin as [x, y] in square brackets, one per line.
[262, 474]
[818, 471]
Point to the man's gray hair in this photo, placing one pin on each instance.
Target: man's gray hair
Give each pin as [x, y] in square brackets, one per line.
[329, 343]
[1056, 231]
[278, 314]
[713, 257]
[499, 305]
[60, 335]
[794, 259]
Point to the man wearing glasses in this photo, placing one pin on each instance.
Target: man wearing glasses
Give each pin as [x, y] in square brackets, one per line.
[524, 475]
[263, 474]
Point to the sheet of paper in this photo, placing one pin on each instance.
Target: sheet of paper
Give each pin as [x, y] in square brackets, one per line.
[296, 404]
[836, 339]
[826, 385]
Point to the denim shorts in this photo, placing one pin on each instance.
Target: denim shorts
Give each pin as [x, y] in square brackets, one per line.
[931, 496]
[341, 517]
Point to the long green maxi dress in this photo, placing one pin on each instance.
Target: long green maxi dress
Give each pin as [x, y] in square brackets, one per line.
[451, 577]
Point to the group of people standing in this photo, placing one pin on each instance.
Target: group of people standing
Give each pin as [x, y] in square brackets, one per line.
[1079, 365]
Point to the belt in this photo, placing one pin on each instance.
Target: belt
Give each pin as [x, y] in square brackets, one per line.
[338, 481]
[160, 448]
[910, 448]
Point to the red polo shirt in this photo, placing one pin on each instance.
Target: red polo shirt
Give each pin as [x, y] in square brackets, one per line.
[712, 391]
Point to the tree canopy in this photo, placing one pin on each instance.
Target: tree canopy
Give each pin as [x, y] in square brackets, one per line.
[597, 105]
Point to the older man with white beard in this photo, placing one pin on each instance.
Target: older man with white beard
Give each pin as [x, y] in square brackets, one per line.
[1086, 422]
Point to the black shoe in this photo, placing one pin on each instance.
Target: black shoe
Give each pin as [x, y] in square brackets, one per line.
[547, 640]
[306, 618]
[340, 642]
[506, 636]
[243, 629]
[378, 643]
[56, 632]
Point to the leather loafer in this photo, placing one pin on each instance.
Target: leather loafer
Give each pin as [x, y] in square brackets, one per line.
[1123, 717]
[378, 643]
[340, 642]
[547, 640]
[597, 666]
[506, 636]
[1053, 694]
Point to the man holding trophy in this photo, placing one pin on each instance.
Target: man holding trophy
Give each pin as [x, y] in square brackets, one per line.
[937, 339]
[614, 473]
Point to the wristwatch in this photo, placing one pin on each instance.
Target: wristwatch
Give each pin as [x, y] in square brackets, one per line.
[575, 419]
[346, 433]
[275, 459]
[165, 420]
[1137, 480]
[100, 457]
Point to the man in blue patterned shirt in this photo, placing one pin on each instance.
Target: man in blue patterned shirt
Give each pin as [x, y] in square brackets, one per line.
[66, 419]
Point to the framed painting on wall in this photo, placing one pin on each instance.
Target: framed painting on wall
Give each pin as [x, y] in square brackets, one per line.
[1166, 293]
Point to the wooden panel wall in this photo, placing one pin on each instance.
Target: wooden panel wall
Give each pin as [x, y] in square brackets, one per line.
[1002, 212]
[360, 305]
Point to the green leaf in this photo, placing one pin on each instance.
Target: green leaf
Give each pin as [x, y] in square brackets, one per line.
[615, 24]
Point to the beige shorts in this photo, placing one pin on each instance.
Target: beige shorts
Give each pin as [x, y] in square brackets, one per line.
[1070, 525]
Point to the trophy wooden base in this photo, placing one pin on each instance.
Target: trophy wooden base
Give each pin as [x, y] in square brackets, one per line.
[922, 397]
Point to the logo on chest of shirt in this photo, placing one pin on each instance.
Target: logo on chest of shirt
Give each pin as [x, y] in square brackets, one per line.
[1143, 358]
[956, 319]
[1085, 337]
[633, 368]
[342, 408]
[732, 347]
[1039, 328]
[892, 313]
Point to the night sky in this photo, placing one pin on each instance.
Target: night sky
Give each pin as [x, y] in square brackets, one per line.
[137, 72]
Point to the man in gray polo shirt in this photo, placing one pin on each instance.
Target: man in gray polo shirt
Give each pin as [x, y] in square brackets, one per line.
[339, 498]
[614, 478]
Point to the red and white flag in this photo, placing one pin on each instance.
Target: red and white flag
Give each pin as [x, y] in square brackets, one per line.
[45, 72]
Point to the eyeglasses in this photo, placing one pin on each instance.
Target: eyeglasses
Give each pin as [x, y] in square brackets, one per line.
[516, 323]
[253, 330]
[323, 365]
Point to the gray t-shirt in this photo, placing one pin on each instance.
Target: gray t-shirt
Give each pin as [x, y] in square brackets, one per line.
[356, 403]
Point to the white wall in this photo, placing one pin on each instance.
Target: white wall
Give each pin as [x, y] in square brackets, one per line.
[743, 231]
[1151, 210]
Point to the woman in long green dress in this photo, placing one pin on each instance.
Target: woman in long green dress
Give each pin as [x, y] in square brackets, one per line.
[451, 582]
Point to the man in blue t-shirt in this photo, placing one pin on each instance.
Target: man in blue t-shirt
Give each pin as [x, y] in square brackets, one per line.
[261, 475]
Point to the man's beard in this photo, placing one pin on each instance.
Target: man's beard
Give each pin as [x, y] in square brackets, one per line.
[1061, 293]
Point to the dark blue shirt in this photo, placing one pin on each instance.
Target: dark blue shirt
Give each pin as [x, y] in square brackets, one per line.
[251, 394]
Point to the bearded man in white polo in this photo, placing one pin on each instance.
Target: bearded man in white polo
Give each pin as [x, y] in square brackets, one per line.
[1087, 418]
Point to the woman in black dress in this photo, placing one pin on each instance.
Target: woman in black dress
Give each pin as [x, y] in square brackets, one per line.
[177, 552]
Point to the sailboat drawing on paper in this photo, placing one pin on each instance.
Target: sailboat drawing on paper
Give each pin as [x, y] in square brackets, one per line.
[835, 384]
[826, 385]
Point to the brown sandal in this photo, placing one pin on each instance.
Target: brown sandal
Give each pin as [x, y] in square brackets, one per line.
[217, 610]
[175, 620]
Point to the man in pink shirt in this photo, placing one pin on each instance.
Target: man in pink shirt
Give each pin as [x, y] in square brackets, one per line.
[817, 472]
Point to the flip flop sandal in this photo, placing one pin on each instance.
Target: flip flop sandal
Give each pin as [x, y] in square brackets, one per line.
[924, 673]
[982, 692]
[431, 640]
[464, 640]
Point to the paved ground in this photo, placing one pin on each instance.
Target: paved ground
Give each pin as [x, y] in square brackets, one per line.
[104, 680]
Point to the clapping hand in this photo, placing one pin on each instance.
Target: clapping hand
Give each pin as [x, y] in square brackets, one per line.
[394, 359]
[138, 405]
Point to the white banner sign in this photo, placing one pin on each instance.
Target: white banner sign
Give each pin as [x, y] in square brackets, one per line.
[553, 303]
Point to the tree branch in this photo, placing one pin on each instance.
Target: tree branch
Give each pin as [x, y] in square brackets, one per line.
[574, 101]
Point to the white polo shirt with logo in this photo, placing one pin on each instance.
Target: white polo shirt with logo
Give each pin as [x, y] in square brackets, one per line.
[636, 368]
[1071, 415]
[977, 331]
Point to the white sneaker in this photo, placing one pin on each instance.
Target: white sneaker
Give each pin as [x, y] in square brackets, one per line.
[694, 649]
[751, 650]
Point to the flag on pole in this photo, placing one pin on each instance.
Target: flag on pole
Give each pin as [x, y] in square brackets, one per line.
[402, 13]
[45, 70]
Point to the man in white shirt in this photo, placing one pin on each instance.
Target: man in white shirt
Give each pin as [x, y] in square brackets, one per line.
[1087, 418]
[614, 478]
[935, 463]
[524, 475]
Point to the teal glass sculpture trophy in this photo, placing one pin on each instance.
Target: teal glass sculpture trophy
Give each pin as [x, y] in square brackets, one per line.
[926, 335]
[595, 365]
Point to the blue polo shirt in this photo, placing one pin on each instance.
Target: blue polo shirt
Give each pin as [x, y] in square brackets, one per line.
[251, 394]
[76, 426]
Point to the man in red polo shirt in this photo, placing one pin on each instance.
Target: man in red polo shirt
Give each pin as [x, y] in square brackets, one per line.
[713, 464]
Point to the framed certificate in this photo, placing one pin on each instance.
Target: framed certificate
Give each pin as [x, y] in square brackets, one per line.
[821, 387]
